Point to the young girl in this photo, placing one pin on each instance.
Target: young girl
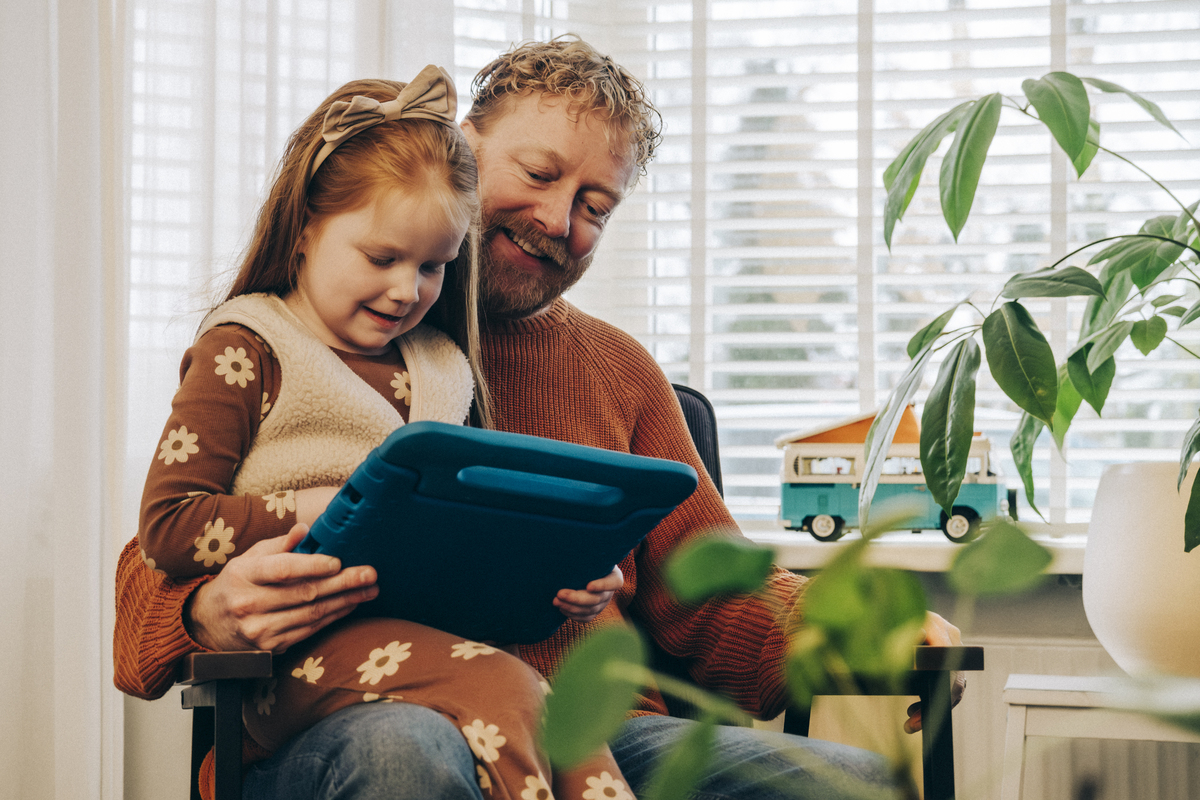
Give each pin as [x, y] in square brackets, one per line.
[316, 355]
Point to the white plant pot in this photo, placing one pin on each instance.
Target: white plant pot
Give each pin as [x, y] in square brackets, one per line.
[1141, 591]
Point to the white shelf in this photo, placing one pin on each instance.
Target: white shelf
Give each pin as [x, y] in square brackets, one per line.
[928, 551]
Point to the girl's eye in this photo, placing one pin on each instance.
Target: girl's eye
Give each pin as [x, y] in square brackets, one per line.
[379, 262]
[433, 269]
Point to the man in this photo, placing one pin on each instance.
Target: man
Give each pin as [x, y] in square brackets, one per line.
[560, 133]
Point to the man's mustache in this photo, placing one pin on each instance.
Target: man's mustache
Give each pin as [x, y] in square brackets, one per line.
[553, 249]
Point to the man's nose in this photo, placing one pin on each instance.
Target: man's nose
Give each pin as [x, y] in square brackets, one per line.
[553, 212]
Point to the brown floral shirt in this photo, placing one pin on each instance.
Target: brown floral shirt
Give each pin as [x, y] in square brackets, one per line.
[190, 524]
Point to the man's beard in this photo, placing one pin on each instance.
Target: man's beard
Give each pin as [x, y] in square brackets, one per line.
[508, 292]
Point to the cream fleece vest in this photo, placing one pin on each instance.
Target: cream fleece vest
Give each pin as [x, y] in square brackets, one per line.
[326, 419]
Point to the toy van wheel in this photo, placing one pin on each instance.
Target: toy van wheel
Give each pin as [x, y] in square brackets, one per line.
[962, 526]
[825, 528]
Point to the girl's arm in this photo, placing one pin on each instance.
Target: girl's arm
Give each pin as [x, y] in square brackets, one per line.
[190, 524]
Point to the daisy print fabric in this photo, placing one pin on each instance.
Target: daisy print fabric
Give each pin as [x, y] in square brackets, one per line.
[492, 698]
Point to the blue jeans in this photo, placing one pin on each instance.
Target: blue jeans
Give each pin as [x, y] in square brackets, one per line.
[407, 752]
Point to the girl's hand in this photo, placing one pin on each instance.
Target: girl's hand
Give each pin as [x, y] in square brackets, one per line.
[311, 503]
[586, 605]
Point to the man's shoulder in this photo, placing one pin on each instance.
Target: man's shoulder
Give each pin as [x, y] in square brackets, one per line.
[607, 338]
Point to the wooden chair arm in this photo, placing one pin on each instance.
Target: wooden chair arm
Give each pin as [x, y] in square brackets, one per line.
[213, 691]
[959, 658]
[231, 665]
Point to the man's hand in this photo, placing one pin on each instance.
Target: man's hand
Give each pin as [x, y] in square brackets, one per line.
[940, 633]
[586, 605]
[269, 598]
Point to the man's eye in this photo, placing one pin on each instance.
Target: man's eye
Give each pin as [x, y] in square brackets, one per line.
[537, 176]
[595, 212]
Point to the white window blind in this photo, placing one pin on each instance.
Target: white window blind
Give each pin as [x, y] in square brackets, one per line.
[752, 264]
[215, 90]
[750, 261]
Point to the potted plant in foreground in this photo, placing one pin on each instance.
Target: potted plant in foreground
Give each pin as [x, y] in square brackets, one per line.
[1139, 287]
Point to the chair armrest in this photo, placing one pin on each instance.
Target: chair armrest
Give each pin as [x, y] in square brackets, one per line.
[938, 659]
[235, 665]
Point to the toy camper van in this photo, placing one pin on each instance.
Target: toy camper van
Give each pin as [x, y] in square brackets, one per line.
[822, 473]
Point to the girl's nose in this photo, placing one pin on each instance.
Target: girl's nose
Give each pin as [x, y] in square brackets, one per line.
[404, 290]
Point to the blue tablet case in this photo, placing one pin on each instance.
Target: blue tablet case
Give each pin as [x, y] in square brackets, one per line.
[474, 531]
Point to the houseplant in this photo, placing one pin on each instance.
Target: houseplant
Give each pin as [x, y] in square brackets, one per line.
[1139, 286]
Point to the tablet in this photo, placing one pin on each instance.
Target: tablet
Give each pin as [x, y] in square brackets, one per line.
[474, 531]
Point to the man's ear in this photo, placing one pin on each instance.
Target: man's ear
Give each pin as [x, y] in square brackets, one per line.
[472, 135]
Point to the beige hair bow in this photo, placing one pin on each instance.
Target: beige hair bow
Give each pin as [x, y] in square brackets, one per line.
[430, 95]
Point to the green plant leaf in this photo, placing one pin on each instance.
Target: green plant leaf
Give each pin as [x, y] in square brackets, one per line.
[903, 175]
[1021, 444]
[930, 332]
[1150, 106]
[1061, 282]
[882, 644]
[685, 764]
[859, 610]
[1004, 560]
[1191, 446]
[1174, 311]
[1092, 386]
[964, 161]
[1069, 400]
[948, 423]
[590, 699]
[1165, 300]
[1145, 257]
[717, 565]
[1191, 315]
[805, 667]
[1159, 255]
[1185, 220]
[1063, 106]
[1092, 146]
[1191, 519]
[1148, 334]
[883, 430]
[1020, 360]
[1106, 343]
[1099, 313]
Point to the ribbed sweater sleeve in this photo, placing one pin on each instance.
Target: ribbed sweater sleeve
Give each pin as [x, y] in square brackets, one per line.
[149, 638]
[566, 375]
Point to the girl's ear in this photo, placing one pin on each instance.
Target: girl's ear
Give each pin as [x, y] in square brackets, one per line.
[303, 242]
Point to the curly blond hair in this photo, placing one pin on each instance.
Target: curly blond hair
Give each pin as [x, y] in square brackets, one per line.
[567, 66]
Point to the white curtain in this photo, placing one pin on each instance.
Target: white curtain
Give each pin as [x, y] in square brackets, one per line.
[62, 323]
[214, 90]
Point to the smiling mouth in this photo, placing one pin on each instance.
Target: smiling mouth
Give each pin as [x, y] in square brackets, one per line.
[387, 318]
[529, 248]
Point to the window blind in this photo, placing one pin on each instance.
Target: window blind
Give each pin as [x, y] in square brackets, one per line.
[751, 260]
[214, 92]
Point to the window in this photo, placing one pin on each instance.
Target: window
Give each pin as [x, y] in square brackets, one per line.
[751, 261]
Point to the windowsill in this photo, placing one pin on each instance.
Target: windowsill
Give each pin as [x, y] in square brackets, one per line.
[928, 551]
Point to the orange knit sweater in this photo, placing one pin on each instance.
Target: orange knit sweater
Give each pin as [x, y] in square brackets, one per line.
[568, 376]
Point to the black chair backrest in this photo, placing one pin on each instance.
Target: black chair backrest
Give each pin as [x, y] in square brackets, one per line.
[702, 424]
